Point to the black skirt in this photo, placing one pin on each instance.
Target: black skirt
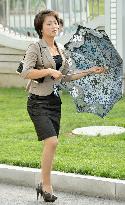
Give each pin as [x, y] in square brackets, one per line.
[45, 113]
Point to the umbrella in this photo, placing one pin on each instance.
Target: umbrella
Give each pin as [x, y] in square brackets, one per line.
[95, 93]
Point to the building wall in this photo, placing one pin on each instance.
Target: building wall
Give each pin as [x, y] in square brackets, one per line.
[111, 20]
[9, 61]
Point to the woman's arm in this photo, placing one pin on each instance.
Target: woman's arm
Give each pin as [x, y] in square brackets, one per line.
[93, 70]
[76, 76]
[35, 73]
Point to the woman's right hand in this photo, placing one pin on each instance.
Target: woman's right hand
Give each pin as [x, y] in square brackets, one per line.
[55, 74]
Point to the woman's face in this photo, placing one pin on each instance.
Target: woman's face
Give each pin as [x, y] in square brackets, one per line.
[50, 27]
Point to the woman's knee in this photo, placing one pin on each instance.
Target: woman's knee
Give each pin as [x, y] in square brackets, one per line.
[52, 141]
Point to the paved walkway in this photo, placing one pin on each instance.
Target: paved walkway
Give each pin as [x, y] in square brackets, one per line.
[17, 195]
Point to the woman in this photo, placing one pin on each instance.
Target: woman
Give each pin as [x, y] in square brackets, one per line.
[44, 107]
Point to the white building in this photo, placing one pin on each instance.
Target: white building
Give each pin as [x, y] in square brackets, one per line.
[115, 26]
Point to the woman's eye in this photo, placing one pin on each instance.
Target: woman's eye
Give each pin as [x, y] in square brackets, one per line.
[49, 24]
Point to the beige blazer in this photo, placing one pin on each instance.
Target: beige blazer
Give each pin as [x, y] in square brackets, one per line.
[33, 59]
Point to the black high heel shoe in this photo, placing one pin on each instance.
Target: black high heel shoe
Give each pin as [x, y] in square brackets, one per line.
[48, 197]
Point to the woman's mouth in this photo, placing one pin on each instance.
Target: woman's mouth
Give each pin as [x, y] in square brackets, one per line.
[54, 31]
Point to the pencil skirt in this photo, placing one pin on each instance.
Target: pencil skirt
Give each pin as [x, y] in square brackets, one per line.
[45, 113]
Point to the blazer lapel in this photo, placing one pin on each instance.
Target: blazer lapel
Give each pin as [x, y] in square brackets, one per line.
[47, 53]
[49, 56]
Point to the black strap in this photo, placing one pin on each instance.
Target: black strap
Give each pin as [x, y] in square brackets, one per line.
[41, 53]
[40, 80]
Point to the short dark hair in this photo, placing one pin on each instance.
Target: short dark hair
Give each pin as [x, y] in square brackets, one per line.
[39, 20]
[61, 22]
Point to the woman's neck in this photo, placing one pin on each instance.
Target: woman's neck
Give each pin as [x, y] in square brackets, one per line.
[49, 41]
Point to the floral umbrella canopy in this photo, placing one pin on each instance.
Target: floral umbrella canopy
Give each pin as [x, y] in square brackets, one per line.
[96, 93]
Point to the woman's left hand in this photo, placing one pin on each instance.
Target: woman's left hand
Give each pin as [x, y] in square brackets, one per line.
[97, 70]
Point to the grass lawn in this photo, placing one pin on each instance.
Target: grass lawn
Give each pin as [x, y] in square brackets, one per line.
[99, 156]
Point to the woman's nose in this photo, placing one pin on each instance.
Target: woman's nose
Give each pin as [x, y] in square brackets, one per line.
[55, 25]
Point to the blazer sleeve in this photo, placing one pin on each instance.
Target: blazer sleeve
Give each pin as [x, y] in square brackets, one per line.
[30, 60]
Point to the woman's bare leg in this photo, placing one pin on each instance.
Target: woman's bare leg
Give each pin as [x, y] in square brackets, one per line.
[49, 149]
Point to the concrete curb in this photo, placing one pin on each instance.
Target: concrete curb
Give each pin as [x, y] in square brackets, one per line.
[67, 182]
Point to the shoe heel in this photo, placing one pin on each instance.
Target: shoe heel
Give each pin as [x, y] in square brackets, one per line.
[39, 191]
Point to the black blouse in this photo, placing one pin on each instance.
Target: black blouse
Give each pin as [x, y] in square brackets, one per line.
[58, 61]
